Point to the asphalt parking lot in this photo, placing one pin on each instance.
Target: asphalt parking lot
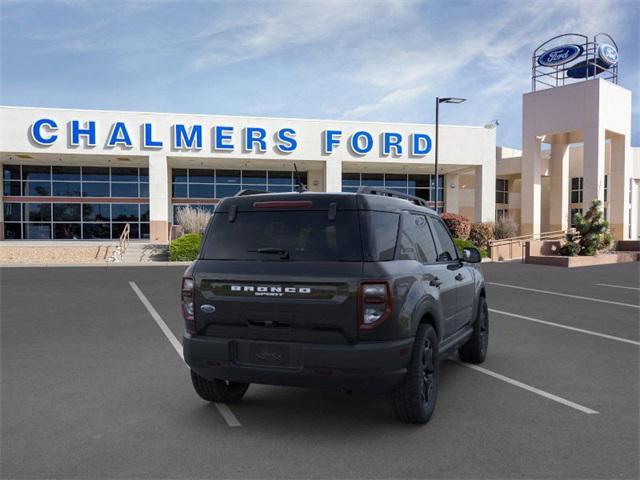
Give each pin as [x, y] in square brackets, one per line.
[92, 387]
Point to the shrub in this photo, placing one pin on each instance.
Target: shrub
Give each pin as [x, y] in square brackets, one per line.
[481, 233]
[462, 244]
[193, 220]
[591, 235]
[185, 248]
[505, 228]
[458, 225]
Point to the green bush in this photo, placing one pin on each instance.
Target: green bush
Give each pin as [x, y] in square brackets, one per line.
[462, 244]
[458, 225]
[481, 233]
[185, 248]
[591, 235]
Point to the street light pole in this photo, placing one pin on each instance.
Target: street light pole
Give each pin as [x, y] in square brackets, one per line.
[438, 102]
[436, 152]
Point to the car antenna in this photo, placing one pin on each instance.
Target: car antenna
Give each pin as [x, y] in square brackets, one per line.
[300, 187]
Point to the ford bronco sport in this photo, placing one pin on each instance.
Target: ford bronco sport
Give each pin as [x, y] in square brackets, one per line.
[352, 291]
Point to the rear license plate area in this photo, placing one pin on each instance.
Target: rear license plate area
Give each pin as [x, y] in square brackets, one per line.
[264, 354]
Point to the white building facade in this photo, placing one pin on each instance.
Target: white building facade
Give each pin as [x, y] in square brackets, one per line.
[84, 174]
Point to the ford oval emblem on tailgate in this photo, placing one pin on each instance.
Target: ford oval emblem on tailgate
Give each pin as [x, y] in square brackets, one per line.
[206, 308]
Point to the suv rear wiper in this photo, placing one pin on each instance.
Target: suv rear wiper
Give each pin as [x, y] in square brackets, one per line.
[283, 252]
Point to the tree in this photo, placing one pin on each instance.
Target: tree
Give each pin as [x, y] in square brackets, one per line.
[591, 235]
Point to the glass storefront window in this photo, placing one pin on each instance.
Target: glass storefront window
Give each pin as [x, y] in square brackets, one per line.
[422, 186]
[66, 212]
[69, 231]
[66, 189]
[37, 212]
[12, 188]
[12, 212]
[199, 190]
[37, 189]
[36, 172]
[95, 189]
[96, 212]
[37, 231]
[227, 176]
[66, 173]
[124, 189]
[95, 174]
[124, 212]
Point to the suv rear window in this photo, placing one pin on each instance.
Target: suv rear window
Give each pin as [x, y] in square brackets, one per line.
[305, 235]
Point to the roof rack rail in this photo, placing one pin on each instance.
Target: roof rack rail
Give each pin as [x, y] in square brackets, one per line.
[393, 193]
[248, 191]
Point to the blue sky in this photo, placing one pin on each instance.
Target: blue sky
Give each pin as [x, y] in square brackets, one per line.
[368, 60]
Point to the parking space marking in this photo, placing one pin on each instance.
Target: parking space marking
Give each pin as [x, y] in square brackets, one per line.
[566, 327]
[223, 409]
[590, 299]
[537, 391]
[616, 286]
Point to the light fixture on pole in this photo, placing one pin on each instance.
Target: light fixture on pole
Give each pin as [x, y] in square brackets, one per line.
[438, 102]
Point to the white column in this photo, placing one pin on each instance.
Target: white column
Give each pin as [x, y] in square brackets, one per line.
[452, 192]
[618, 188]
[332, 175]
[159, 198]
[485, 192]
[593, 167]
[559, 196]
[531, 188]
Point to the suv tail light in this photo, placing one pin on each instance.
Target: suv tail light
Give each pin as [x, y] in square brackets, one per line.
[374, 304]
[186, 299]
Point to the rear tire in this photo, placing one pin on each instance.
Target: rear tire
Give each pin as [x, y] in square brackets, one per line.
[475, 349]
[414, 401]
[220, 391]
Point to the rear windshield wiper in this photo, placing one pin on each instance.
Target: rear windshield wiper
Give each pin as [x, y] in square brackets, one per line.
[283, 252]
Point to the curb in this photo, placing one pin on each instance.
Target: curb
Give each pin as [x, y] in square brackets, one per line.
[94, 265]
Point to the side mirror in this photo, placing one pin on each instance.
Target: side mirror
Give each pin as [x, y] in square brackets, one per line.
[471, 255]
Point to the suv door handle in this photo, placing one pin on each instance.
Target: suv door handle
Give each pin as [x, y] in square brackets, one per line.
[435, 282]
[459, 277]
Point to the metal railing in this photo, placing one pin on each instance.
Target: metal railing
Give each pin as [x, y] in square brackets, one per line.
[514, 247]
[123, 244]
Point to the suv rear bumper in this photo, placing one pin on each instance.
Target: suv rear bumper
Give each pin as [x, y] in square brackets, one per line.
[366, 366]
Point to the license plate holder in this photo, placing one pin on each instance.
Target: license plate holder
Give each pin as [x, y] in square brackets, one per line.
[266, 354]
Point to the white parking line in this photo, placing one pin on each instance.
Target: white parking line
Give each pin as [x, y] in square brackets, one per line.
[590, 299]
[531, 389]
[224, 409]
[566, 327]
[616, 286]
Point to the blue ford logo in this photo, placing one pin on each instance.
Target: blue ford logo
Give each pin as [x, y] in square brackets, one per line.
[206, 308]
[560, 55]
[608, 54]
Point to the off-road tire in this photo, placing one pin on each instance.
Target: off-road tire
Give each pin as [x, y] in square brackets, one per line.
[414, 401]
[219, 391]
[475, 349]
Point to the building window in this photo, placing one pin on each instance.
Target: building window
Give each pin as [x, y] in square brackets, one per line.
[502, 190]
[573, 212]
[502, 213]
[606, 187]
[63, 181]
[422, 186]
[199, 185]
[211, 184]
[74, 221]
[64, 213]
[576, 190]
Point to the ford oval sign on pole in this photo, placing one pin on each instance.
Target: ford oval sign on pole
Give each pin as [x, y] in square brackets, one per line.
[608, 54]
[560, 55]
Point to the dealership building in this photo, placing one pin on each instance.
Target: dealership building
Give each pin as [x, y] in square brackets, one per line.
[85, 174]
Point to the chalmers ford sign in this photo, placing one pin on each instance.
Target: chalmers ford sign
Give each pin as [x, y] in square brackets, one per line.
[222, 138]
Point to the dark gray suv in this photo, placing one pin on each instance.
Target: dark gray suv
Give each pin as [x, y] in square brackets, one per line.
[351, 291]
